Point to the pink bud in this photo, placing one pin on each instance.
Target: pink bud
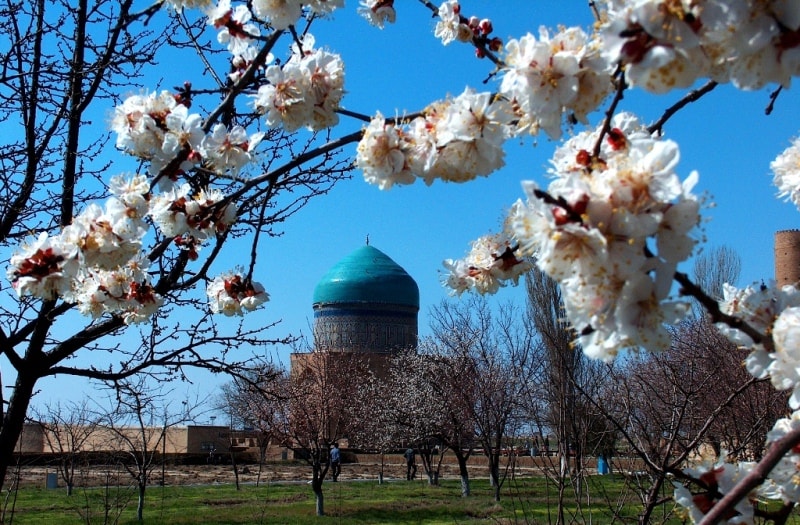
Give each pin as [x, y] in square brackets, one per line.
[486, 26]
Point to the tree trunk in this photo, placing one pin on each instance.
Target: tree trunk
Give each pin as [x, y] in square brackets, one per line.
[494, 474]
[13, 421]
[261, 458]
[319, 497]
[464, 474]
[235, 469]
[140, 505]
[317, 477]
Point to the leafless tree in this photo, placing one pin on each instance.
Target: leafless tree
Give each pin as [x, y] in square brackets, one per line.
[67, 430]
[138, 426]
[258, 400]
[65, 65]
[496, 350]
[560, 397]
[714, 268]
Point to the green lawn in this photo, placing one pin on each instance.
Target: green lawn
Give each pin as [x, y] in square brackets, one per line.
[523, 501]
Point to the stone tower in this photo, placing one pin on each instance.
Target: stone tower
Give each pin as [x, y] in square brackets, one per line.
[787, 257]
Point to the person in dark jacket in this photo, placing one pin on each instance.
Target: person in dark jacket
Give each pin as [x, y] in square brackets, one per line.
[411, 464]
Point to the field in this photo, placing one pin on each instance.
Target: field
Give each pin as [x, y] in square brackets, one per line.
[206, 494]
[524, 500]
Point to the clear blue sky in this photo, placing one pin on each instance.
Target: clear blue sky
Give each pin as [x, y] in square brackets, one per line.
[725, 136]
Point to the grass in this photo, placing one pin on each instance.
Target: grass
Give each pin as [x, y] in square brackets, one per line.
[526, 500]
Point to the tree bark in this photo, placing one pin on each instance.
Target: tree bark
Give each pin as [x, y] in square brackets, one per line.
[140, 504]
[464, 474]
[14, 420]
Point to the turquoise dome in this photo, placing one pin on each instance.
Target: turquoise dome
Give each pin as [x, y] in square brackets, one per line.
[367, 275]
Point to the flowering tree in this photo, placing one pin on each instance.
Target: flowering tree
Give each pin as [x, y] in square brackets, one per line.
[612, 226]
[98, 262]
[447, 385]
[324, 397]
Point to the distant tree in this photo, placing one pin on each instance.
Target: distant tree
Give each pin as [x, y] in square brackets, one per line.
[324, 393]
[381, 422]
[496, 350]
[258, 400]
[138, 424]
[716, 267]
[68, 428]
[449, 386]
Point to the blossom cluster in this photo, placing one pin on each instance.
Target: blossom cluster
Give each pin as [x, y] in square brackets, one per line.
[232, 294]
[553, 76]
[611, 229]
[461, 138]
[493, 261]
[666, 44]
[157, 127]
[454, 140]
[304, 92]
[94, 261]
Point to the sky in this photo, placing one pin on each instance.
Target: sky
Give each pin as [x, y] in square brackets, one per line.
[725, 136]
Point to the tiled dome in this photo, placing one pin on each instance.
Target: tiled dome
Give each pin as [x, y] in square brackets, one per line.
[367, 275]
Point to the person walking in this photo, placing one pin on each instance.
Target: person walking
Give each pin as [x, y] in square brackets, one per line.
[336, 462]
[411, 464]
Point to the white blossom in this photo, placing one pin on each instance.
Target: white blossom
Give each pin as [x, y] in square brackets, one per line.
[235, 29]
[378, 12]
[380, 155]
[786, 173]
[450, 27]
[280, 13]
[181, 212]
[229, 150]
[304, 92]
[550, 76]
[491, 263]
[232, 294]
[44, 268]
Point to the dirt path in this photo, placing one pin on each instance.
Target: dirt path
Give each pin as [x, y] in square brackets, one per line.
[99, 475]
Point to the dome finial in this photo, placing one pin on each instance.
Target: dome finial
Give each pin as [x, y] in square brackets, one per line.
[367, 239]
